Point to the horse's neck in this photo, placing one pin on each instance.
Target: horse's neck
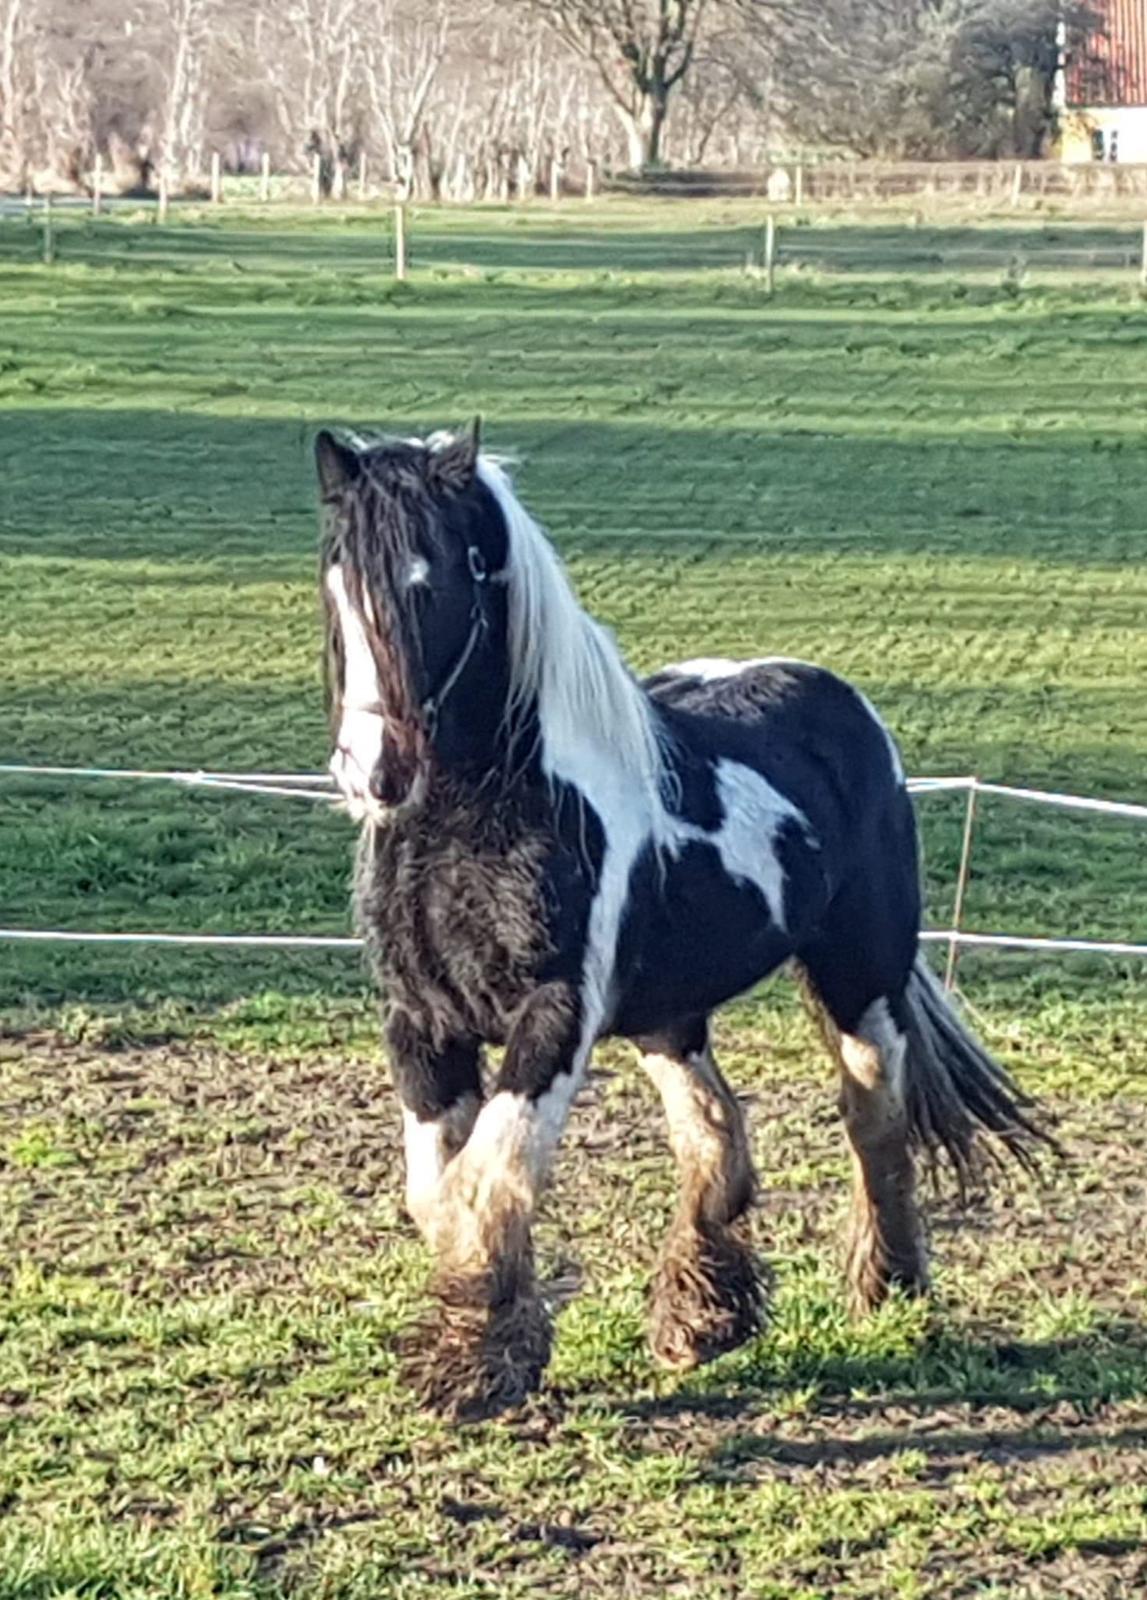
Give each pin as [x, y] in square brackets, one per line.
[586, 759]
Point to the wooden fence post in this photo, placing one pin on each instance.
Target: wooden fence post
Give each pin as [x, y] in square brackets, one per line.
[798, 192]
[556, 178]
[590, 178]
[316, 178]
[97, 185]
[216, 178]
[49, 236]
[265, 176]
[361, 176]
[161, 212]
[1017, 184]
[770, 253]
[400, 242]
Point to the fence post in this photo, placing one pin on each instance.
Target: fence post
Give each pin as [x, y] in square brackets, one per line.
[361, 176]
[400, 242]
[961, 885]
[97, 185]
[798, 188]
[216, 178]
[161, 209]
[316, 177]
[556, 178]
[265, 176]
[590, 178]
[770, 253]
[1017, 184]
[49, 237]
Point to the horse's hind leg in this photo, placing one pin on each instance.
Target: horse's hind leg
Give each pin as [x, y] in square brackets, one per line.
[708, 1292]
[886, 1240]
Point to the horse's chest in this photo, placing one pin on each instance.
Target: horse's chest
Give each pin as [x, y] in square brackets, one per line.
[457, 927]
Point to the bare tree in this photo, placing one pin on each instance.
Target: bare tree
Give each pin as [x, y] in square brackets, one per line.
[641, 49]
[508, 100]
[311, 52]
[49, 67]
[403, 55]
[13, 89]
[724, 111]
[183, 32]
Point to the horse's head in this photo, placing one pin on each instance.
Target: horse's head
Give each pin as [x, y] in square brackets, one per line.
[414, 561]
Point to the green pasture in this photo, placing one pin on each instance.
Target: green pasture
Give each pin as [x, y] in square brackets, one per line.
[922, 462]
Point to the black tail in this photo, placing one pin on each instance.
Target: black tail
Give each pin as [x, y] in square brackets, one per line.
[962, 1105]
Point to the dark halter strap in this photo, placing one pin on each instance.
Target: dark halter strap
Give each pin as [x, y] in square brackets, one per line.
[479, 627]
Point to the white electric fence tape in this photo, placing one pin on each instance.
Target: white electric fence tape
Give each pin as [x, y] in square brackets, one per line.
[303, 786]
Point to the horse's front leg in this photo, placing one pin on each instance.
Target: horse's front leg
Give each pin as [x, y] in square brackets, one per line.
[487, 1339]
[440, 1087]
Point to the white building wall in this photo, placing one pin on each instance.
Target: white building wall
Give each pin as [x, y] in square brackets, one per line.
[1128, 125]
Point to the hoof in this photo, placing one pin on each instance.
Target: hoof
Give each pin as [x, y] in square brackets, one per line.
[708, 1296]
[470, 1358]
[871, 1282]
[885, 1253]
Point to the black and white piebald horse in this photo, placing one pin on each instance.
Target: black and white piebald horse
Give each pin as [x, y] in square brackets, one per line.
[552, 852]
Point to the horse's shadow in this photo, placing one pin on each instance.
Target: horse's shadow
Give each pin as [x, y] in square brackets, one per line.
[958, 1396]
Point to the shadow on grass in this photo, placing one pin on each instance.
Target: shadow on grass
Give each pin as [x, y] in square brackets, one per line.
[918, 1391]
[186, 488]
[555, 242]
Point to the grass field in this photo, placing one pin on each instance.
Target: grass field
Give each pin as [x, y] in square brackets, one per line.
[924, 463]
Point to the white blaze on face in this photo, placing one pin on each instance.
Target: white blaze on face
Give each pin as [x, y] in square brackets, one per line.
[358, 743]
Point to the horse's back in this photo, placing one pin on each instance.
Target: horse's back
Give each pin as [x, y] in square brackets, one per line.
[808, 732]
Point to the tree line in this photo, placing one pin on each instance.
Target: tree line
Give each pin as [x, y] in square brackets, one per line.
[475, 99]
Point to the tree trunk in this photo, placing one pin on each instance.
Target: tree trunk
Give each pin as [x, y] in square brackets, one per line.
[653, 114]
[644, 128]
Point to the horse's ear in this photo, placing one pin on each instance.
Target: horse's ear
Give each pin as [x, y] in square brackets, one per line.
[338, 465]
[456, 463]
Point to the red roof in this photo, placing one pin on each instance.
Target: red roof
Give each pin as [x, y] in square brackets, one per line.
[1109, 67]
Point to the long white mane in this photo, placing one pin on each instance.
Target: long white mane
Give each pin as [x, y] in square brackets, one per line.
[590, 707]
